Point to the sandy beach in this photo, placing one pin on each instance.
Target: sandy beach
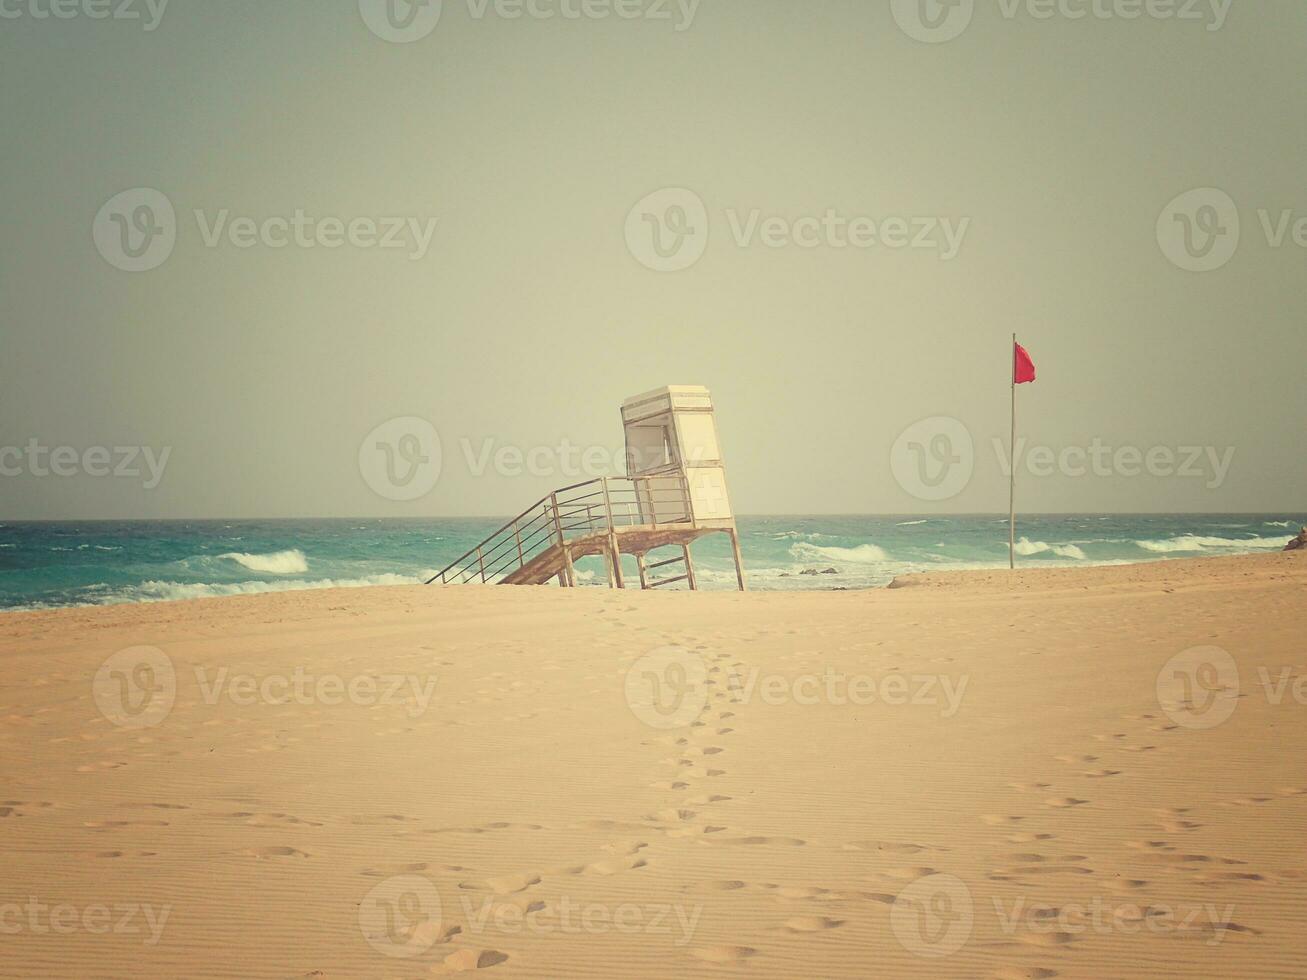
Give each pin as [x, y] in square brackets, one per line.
[973, 775]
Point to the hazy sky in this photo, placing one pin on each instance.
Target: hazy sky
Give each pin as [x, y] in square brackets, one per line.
[1032, 159]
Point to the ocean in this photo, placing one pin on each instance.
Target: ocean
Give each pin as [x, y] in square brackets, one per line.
[44, 565]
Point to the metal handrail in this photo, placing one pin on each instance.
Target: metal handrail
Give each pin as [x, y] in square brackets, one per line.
[518, 542]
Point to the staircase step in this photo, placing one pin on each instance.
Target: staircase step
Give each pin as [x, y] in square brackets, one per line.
[662, 564]
[668, 581]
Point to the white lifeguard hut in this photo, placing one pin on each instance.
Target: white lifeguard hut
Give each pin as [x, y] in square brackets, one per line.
[674, 492]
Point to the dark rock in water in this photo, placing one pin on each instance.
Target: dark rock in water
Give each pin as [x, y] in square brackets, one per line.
[1299, 542]
[820, 571]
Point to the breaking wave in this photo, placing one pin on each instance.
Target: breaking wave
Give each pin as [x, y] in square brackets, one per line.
[862, 554]
[274, 563]
[1195, 542]
[1027, 547]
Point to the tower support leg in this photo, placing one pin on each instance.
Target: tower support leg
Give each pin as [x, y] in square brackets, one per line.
[615, 562]
[689, 568]
[739, 559]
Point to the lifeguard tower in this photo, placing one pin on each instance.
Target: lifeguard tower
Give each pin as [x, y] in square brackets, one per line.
[674, 492]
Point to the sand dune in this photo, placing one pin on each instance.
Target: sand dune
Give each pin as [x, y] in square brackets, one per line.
[1061, 773]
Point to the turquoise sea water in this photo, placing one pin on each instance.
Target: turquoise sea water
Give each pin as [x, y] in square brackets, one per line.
[79, 563]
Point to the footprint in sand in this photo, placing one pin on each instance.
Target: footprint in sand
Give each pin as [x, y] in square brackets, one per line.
[510, 884]
[1048, 939]
[613, 866]
[812, 923]
[1064, 802]
[389, 870]
[998, 820]
[1023, 973]
[724, 886]
[271, 853]
[471, 959]
[724, 954]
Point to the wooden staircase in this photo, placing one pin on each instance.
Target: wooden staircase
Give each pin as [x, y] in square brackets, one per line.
[611, 516]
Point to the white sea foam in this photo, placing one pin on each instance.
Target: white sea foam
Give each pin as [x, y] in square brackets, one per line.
[862, 554]
[154, 591]
[1195, 542]
[1279, 524]
[274, 563]
[910, 523]
[1027, 547]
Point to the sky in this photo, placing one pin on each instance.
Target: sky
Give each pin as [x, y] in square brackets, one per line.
[322, 258]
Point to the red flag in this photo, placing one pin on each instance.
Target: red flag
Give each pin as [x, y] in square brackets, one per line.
[1023, 368]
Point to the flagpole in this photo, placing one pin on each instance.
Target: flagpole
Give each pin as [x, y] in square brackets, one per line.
[1012, 467]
